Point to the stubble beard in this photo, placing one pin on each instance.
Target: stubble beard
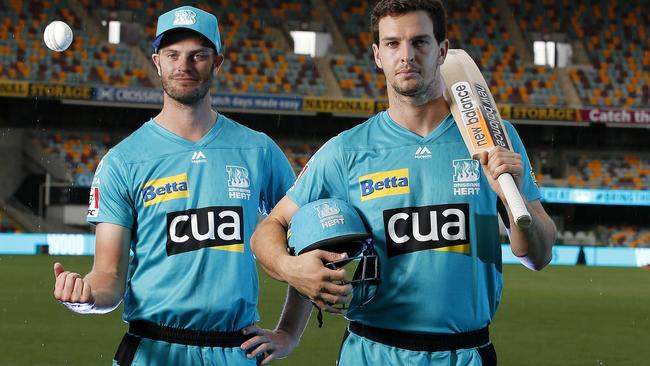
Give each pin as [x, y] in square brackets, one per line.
[190, 97]
[419, 94]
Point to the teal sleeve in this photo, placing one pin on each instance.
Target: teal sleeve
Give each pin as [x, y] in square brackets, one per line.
[279, 177]
[529, 187]
[110, 193]
[324, 176]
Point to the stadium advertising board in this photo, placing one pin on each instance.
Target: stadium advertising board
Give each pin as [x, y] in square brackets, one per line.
[61, 91]
[339, 105]
[14, 88]
[595, 196]
[128, 95]
[84, 244]
[236, 101]
[516, 113]
[615, 115]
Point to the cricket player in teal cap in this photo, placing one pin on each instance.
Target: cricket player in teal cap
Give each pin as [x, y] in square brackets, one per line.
[182, 193]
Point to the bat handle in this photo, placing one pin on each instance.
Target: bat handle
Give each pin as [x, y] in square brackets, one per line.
[515, 201]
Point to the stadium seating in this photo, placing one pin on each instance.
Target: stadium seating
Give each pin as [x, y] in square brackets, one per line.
[255, 61]
[25, 57]
[298, 152]
[80, 152]
[475, 27]
[8, 225]
[615, 37]
[611, 170]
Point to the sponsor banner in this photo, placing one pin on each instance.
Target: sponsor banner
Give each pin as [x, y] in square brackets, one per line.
[339, 105]
[128, 95]
[54, 244]
[516, 113]
[61, 91]
[595, 196]
[563, 255]
[381, 105]
[615, 115]
[14, 88]
[257, 102]
[609, 256]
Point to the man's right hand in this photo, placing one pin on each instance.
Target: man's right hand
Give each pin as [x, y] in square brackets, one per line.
[308, 274]
[71, 290]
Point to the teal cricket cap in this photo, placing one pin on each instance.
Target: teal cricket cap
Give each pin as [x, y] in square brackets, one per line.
[188, 17]
[329, 224]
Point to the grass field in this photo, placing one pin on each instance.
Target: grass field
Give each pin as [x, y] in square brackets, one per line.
[560, 316]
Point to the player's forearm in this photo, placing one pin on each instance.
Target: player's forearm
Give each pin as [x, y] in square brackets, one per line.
[107, 291]
[295, 315]
[269, 243]
[533, 245]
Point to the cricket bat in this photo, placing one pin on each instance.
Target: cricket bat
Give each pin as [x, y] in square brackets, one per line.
[478, 120]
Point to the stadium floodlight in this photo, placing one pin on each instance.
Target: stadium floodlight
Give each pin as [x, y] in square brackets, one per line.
[311, 43]
[114, 32]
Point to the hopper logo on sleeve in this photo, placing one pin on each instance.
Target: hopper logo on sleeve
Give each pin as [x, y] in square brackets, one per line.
[93, 202]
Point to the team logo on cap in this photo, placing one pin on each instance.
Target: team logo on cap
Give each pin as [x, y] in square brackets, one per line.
[184, 17]
[329, 214]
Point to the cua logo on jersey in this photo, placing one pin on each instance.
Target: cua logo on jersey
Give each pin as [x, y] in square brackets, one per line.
[466, 177]
[382, 184]
[329, 214]
[165, 189]
[238, 182]
[439, 227]
[219, 227]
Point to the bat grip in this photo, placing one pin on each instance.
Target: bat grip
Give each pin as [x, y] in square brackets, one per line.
[515, 201]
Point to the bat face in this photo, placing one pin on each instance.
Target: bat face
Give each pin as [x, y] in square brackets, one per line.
[478, 120]
[472, 104]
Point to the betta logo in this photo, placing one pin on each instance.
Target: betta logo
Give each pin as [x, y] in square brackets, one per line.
[165, 189]
[412, 229]
[382, 184]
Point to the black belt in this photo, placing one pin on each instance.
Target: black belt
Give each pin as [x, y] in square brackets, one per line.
[427, 342]
[199, 338]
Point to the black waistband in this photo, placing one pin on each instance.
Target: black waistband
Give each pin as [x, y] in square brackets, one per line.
[199, 338]
[427, 342]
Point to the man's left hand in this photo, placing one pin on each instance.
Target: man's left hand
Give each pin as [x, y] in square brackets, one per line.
[499, 161]
[273, 344]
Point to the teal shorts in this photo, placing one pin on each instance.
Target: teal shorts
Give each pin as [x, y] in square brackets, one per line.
[360, 351]
[148, 352]
[148, 344]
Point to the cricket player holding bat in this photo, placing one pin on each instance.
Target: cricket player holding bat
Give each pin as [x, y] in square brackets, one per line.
[430, 206]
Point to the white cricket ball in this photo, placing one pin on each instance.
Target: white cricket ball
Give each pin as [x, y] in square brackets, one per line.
[57, 36]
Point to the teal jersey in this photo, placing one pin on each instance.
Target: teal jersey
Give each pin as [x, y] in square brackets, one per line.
[433, 218]
[192, 207]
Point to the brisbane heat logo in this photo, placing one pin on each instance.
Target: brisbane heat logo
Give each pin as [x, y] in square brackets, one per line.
[383, 184]
[329, 214]
[466, 177]
[238, 182]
